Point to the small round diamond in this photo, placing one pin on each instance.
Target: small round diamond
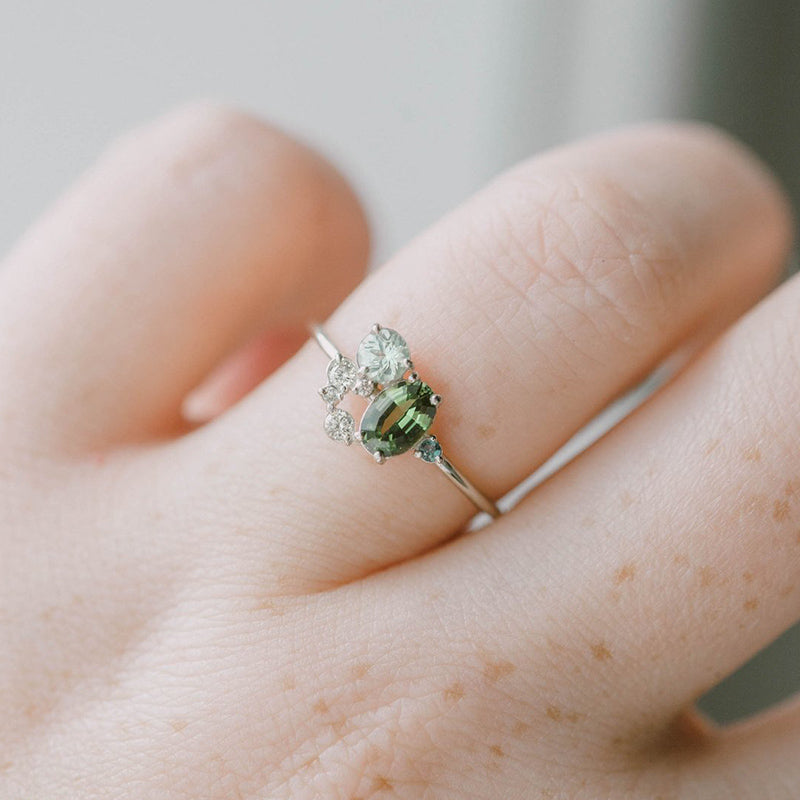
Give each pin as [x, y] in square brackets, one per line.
[429, 449]
[364, 387]
[342, 373]
[331, 394]
[382, 355]
[340, 426]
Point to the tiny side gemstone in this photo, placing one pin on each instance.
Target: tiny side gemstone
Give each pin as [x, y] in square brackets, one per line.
[364, 387]
[331, 394]
[342, 373]
[340, 426]
[429, 449]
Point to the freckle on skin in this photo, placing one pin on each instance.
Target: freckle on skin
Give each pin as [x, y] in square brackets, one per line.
[321, 707]
[485, 431]
[554, 713]
[601, 652]
[751, 604]
[707, 576]
[361, 669]
[756, 503]
[710, 447]
[520, 728]
[178, 725]
[790, 489]
[497, 751]
[381, 783]
[787, 590]
[781, 510]
[289, 683]
[454, 692]
[748, 576]
[751, 454]
[681, 560]
[627, 572]
[495, 670]
[626, 499]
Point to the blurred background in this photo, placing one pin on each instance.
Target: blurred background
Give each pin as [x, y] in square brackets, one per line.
[420, 103]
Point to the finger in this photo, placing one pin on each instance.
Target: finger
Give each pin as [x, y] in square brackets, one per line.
[527, 309]
[676, 541]
[189, 237]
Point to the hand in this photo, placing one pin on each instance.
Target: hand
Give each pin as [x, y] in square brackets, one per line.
[246, 609]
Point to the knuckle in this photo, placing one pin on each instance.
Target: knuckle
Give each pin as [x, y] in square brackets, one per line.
[213, 150]
[205, 138]
[585, 238]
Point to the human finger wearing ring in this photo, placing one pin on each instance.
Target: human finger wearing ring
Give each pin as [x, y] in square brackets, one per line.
[204, 594]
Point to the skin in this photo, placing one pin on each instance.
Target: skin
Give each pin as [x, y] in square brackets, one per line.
[201, 596]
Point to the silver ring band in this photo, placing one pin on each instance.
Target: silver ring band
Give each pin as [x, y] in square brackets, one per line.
[401, 410]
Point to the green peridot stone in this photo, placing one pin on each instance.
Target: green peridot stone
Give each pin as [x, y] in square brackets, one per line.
[397, 418]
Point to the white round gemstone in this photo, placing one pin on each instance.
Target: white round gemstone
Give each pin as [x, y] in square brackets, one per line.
[340, 425]
[364, 387]
[342, 374]
[382, 355]
[331, 394]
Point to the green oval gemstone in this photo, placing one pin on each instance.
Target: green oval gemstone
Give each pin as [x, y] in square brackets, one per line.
[397, 418]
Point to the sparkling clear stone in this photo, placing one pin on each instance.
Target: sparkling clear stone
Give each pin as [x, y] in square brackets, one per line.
[340, 426]
[331, 394]
[364, 387]
[342, 373]
[382, 355]
[429, 449]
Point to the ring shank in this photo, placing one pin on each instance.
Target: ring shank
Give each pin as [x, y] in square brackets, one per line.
[328, 347]
[478, 499]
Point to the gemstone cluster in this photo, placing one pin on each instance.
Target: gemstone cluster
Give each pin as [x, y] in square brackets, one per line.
[401, 409]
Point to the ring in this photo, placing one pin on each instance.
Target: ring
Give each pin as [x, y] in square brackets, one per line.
[401, 407]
